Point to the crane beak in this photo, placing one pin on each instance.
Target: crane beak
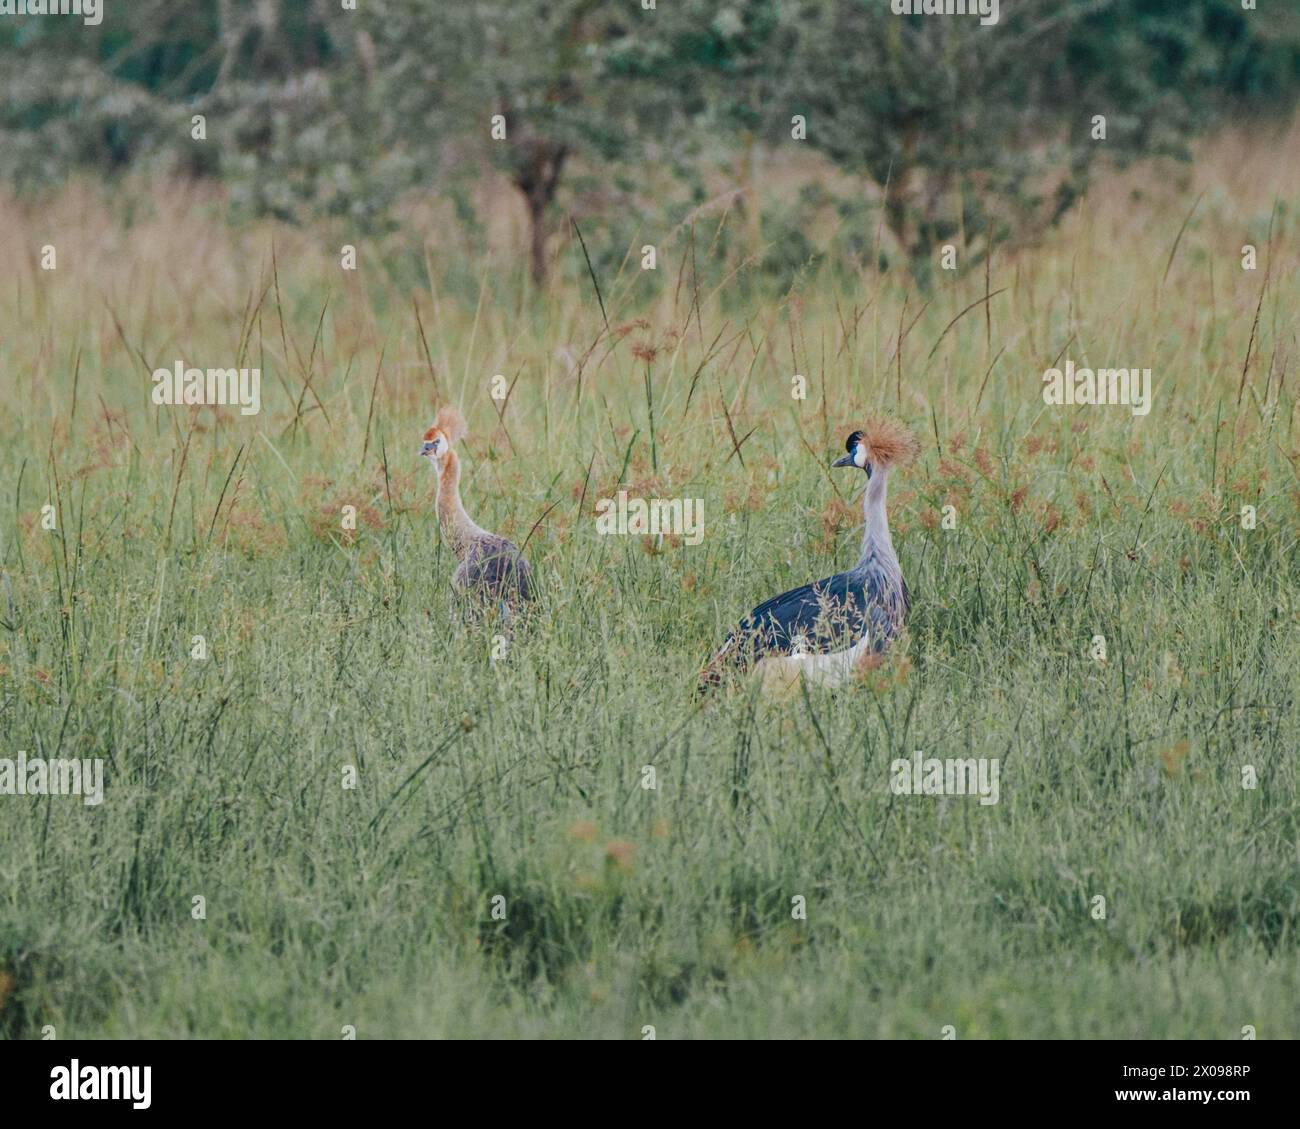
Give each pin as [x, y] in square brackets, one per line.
[846, 460]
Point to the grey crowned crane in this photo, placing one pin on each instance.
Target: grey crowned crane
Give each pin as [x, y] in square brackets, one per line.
[834, 627]
[492, 570]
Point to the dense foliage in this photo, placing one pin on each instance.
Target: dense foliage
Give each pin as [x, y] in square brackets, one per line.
[964, 132]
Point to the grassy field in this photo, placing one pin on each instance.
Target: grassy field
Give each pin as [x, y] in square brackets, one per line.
[522, 777]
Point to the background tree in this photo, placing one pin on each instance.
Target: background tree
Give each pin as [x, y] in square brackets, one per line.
[968, 130]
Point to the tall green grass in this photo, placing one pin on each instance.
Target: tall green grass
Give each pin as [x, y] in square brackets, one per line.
[522, 777]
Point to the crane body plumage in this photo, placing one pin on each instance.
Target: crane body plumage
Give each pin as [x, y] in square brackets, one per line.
[860, 610]
[824, 616]
[491, 569]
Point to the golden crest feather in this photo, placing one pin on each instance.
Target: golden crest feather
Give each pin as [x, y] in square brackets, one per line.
[890, 443]
[451, 423]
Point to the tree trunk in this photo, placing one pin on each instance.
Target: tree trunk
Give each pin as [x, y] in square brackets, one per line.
[538, 178]
[537, 237]
[898, 192]
[749, 204]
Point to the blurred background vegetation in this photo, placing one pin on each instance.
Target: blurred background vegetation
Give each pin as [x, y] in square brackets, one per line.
[920, 130]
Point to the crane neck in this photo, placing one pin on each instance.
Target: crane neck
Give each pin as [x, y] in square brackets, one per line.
[456, 525]
[876, 541]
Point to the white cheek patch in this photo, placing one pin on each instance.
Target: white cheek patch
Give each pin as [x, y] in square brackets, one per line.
[860, 456]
